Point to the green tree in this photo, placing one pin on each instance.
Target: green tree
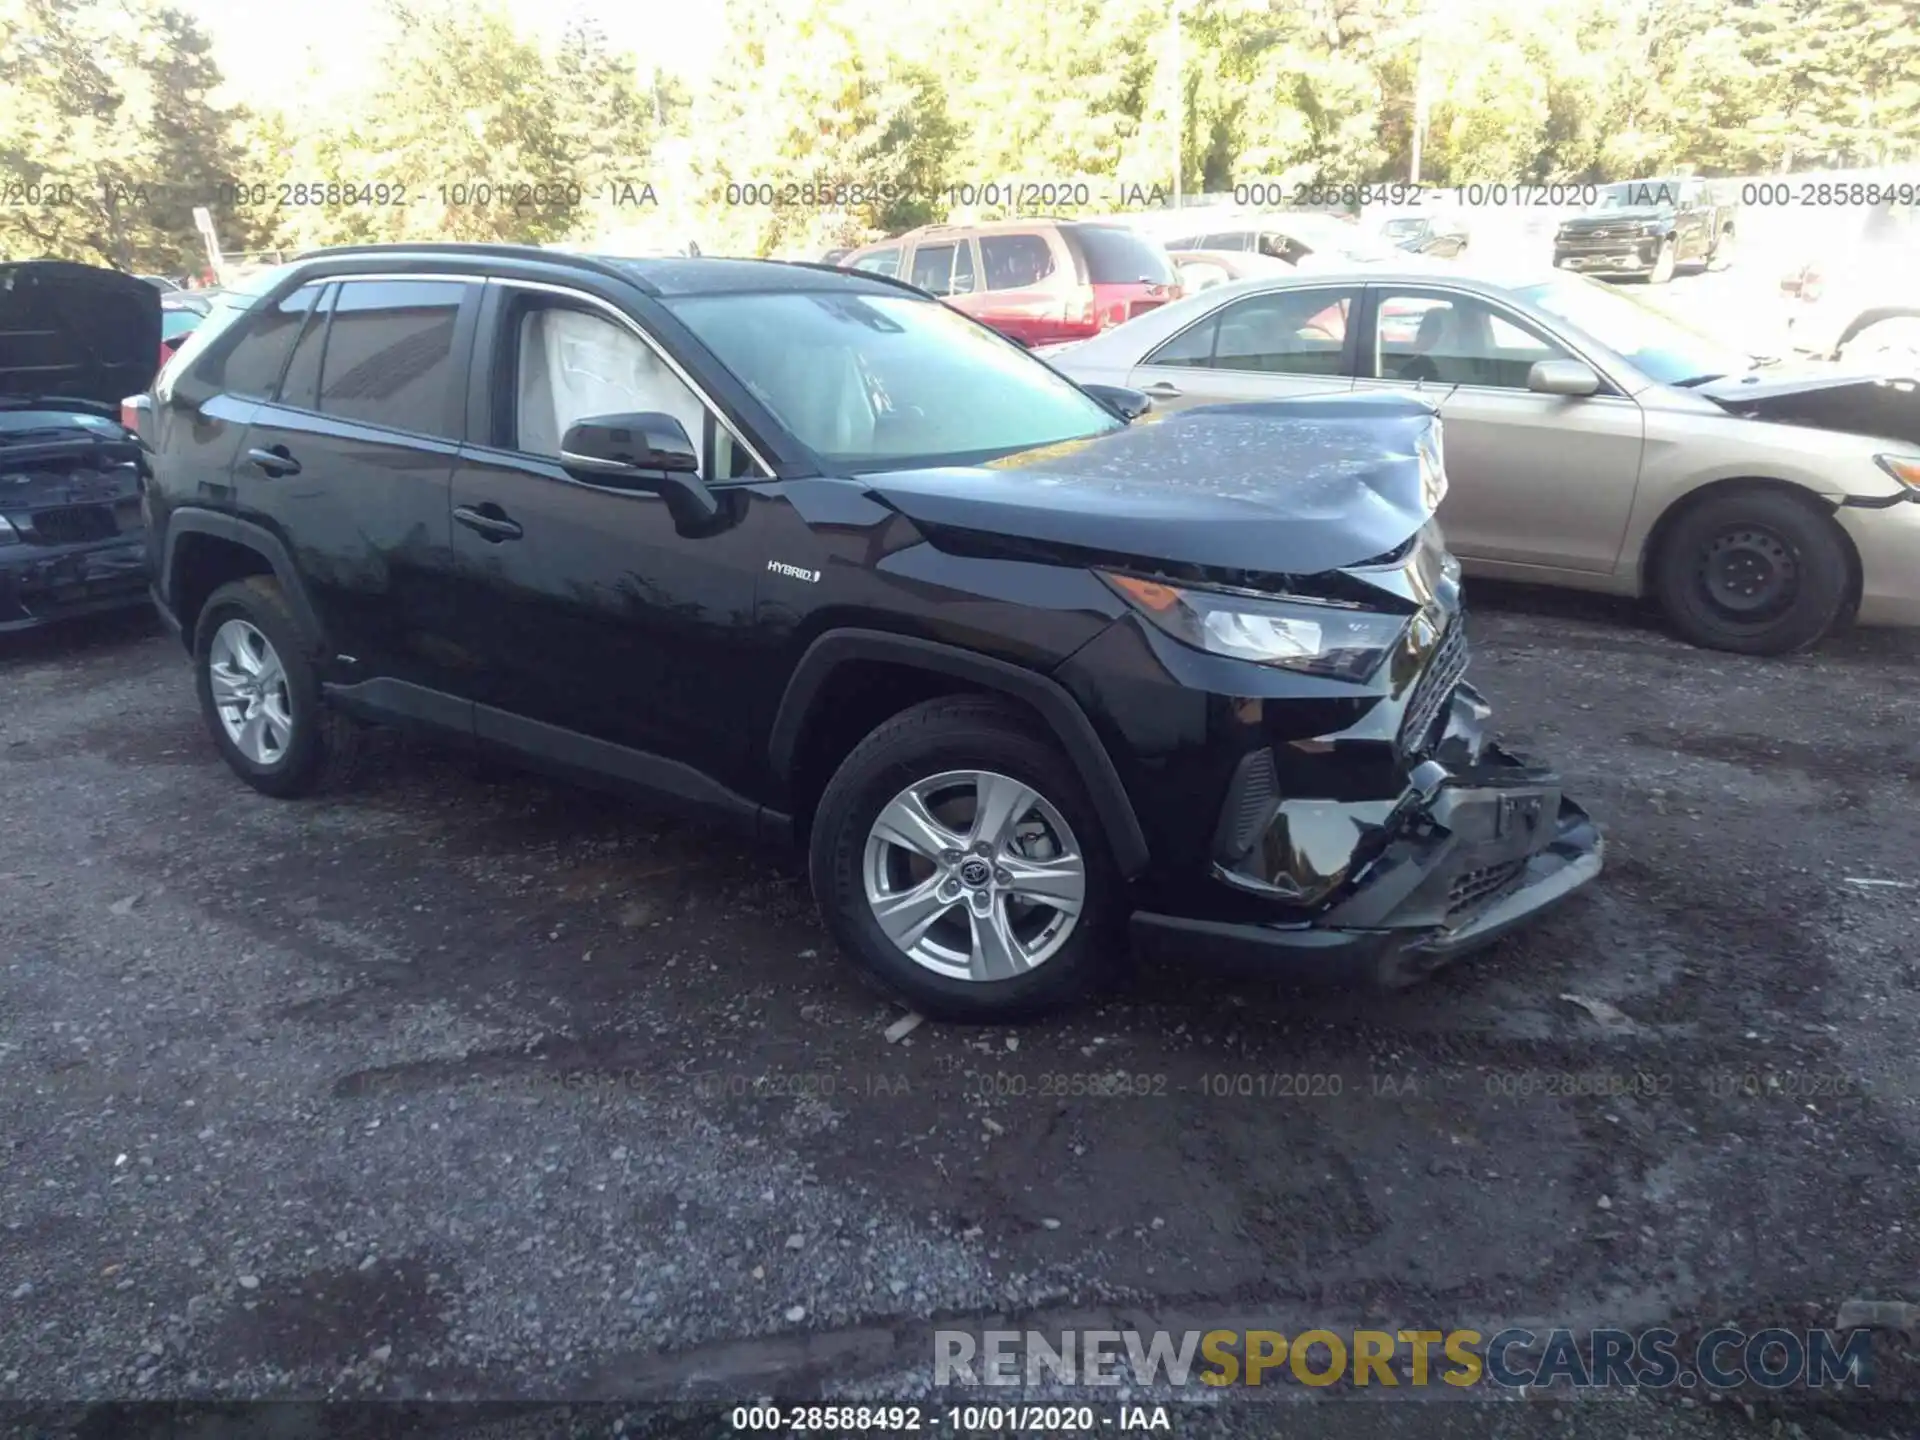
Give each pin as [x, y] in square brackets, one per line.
[109, 104]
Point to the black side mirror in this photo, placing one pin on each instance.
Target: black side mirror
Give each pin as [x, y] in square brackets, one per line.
[1129, 405]
[642, 451]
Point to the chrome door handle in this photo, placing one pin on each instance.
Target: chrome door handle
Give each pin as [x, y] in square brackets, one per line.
[1161, 389]
[276, 462]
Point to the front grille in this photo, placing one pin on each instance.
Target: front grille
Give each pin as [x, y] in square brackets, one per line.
[73, 524]
[1477, 888]
[1433, 689]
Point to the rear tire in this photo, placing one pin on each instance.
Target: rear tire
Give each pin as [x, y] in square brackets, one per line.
[260, 694]
[954, 755]
[1664, 263]
[1756, 572]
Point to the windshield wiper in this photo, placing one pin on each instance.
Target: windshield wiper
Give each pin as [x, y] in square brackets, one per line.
[1693, 380]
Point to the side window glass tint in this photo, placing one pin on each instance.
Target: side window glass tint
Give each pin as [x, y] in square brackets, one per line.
[389, 354]
[881, 262]
[572, 365]
[1190, 348]
[251, 366]
[962, 268]
[1014, 262]
[933, 269]
[1290, 332]
[1456, 340]
[301, 387]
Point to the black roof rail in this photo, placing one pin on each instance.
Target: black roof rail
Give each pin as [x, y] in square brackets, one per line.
[831, 269]
[442, 249]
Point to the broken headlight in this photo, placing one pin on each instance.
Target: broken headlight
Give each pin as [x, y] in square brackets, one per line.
[1317, 638]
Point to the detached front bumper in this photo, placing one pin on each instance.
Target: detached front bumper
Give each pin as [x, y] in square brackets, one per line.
[1480, 844]
[40, 584]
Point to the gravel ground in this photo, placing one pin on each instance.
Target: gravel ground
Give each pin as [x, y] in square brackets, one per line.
[459, 1084]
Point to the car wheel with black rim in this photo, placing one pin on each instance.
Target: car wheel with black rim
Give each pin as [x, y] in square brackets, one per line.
[959, 863]
[1663, 263]
[1759, 572]
[260, 694]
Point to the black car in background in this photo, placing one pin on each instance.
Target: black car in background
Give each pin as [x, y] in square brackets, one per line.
[1649, 228]
[73, 341]
[1022, 668]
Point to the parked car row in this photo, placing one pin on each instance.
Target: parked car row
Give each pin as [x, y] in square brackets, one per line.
[1151, 636]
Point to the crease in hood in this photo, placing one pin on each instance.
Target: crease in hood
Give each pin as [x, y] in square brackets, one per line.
[1288, 486]
[70, 331]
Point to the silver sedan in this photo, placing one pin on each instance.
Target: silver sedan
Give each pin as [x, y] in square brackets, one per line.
[1591, 441]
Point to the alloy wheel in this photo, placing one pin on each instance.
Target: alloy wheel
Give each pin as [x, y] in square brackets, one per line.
[249, 686]
[974, 875]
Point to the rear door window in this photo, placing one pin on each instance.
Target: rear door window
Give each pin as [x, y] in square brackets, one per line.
[1118, 256]
[389, 355]
[1288, 332]
[933, 268]
[1015, 262]
[250, 366]
[300, 387]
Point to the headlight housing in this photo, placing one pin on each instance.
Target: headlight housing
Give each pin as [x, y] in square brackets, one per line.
[1904, 468]
[1311, 637]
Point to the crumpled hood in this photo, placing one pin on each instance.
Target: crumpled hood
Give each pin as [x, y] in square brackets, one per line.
[76, 331]
[1849, 401]
[1286, 487]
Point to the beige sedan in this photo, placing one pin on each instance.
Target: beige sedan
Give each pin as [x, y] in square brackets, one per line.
[1591, 441]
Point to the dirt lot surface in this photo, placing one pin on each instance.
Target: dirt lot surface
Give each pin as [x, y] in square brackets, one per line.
[460, 1084]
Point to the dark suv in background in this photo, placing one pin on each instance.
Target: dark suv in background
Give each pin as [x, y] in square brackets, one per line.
[1040, 282]
[1021, 667]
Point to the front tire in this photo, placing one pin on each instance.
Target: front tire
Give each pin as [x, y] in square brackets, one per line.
[1756, 572]
[959, 863]
[1663, 263]
[260, 694]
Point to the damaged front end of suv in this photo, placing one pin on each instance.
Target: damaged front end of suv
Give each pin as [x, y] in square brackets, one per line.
[1359, 824]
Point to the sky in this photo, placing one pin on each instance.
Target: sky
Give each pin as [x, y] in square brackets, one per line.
[261, 46]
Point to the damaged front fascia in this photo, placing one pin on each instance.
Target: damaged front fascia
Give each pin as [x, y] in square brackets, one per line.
[1310, 849]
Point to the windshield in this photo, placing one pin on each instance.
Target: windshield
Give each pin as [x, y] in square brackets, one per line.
[1410, 225]
[869, 382]
[1653, 342]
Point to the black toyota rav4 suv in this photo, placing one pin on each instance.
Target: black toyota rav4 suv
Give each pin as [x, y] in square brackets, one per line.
[1024, 668]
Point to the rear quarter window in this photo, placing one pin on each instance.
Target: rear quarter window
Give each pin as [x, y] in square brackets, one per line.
[1118, 256]
[251, 363]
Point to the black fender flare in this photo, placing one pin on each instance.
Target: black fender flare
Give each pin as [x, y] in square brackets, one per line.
[1050, 699]
[191, 520]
